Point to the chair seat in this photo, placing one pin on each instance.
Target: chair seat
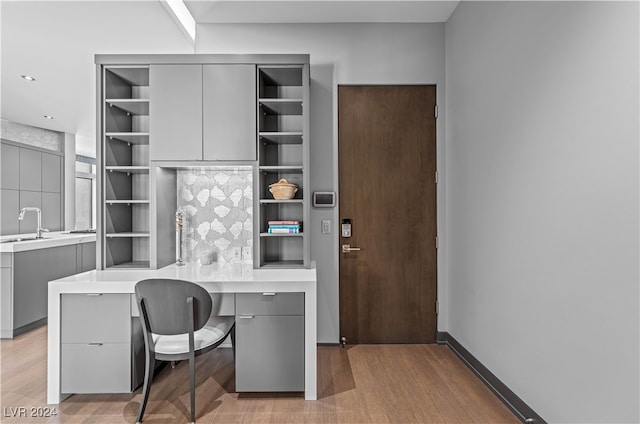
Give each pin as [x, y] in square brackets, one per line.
[213, 331]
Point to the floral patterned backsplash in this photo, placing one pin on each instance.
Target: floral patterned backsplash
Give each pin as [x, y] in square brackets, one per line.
[217, 205]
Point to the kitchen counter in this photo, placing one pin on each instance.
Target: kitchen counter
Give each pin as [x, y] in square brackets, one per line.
[216, 278]
[53, 239]
[26, 267]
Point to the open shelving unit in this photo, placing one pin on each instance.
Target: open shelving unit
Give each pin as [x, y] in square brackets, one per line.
[124, 167]
[283, 152]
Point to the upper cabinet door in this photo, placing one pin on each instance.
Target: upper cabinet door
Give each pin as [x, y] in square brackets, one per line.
[229, 106]
[175, 112]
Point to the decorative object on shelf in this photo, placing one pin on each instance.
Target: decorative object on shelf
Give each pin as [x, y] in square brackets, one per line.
[179, 219]
[283, 190]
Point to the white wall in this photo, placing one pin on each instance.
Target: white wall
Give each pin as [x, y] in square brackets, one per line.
[340, 54]
[542, 201]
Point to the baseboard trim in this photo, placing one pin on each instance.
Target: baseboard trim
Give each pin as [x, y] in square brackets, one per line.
[506, 395]
[29, 327]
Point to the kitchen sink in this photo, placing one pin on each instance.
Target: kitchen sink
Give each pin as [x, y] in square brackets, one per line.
[13, 240]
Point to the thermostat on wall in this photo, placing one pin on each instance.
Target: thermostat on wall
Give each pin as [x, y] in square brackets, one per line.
[324, 199]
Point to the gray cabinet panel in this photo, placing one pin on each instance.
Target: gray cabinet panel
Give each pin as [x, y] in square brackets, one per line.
[30, 170]
[10, 208]
[30, 221]
[88, 256]
[51, 173]
[32, 271]
[51, 211]
[229, 110]
[175, 110]
[270, 304]
[10, 173]
[6, 301]
[270, 354]
[96, 368]
[95, 318]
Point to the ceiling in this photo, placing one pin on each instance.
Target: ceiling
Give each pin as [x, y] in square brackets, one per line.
[55, 42]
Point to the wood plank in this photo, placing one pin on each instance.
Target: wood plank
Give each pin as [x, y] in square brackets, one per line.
[356, 384]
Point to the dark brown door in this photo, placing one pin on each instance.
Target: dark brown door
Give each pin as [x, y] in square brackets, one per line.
[387, 165]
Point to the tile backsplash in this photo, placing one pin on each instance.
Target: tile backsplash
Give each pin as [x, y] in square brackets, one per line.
[217, 204]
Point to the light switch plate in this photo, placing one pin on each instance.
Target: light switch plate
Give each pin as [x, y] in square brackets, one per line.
[247, 253]
[326, 226]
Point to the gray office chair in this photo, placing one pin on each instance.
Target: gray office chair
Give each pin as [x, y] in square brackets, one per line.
[177, 325]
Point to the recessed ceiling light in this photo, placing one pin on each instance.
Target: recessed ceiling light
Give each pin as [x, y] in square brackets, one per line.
[48, 117]
[28, 77]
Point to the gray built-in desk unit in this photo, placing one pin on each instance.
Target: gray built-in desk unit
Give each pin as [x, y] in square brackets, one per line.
[158, 114]
[163, 119]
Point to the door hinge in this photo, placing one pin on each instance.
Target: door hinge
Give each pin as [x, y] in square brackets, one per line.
[435, 111]
[437, 242]
[437, 307]
[436, 177]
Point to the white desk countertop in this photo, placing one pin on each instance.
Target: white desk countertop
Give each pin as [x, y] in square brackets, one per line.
[216, 278]
[53, 239]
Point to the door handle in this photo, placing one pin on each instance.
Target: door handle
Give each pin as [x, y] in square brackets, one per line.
[346, 248]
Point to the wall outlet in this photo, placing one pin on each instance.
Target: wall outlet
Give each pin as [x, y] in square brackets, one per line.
[236, 254]
[247, 253]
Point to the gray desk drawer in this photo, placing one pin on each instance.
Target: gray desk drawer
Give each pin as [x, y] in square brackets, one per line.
[89, 318]
[270, 304]
[96, 368]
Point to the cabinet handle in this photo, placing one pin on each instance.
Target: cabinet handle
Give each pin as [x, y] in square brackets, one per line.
[269, 294]
[94, 294]
[94, 344]
[246, 316]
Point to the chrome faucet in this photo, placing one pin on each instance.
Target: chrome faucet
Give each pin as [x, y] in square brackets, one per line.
[39, 230]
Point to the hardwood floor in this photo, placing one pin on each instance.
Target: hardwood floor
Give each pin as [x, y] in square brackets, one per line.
[358, 384]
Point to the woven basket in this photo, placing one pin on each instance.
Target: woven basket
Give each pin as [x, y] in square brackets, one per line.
[283, 190]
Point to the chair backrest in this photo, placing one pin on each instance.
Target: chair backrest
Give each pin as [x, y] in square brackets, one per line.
[165, 301]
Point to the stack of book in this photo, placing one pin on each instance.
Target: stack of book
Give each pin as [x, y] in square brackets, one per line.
[284, 227]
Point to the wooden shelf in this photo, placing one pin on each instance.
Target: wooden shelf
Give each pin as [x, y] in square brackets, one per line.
[130, 201]
[281, 137]
[281, 234]
[129, 137]
[281, 106]
[137, 76]
[132, 106]
[127, 235]
[282, 76]
[128, 169]
[279, 201]
[281, 169]
[132, 265]
[283, 264]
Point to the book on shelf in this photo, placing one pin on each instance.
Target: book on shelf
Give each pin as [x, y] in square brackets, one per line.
[284, 227]
[292, 230]
[283, 223]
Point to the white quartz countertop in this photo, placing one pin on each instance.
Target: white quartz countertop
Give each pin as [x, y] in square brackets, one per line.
[53, 239]
[243, 277]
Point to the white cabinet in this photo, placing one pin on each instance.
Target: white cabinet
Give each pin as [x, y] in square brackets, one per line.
[202, 112]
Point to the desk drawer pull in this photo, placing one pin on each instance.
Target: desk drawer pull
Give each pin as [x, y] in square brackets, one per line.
[269, 294]
[94, 294]
[94, 344]
[246, 316]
